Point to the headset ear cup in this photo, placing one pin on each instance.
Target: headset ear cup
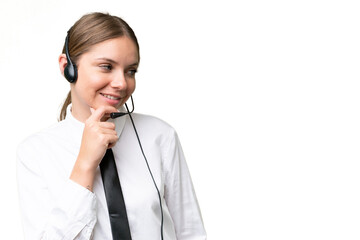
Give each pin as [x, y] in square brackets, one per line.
[70, 72]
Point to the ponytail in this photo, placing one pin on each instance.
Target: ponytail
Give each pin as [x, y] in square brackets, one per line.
[64, 107]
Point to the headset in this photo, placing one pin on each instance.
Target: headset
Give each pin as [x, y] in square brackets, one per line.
[71, 74]
[70, 70]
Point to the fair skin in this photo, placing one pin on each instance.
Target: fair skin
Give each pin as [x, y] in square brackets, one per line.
[106, 79]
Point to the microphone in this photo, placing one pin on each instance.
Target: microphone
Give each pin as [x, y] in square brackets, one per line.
[114, 115]
[117, 114]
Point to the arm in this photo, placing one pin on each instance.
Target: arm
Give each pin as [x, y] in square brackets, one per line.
[180, 195]
[71, 214]
[54, 207]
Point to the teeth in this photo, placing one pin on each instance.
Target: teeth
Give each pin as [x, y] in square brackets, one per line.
[111, 97]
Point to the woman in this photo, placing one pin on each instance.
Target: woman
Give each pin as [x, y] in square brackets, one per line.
[60, 182]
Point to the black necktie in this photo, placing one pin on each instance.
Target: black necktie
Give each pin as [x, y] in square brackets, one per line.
[114, 198]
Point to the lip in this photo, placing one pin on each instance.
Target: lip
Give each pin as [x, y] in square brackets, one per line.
[111, 101]
[111, 94]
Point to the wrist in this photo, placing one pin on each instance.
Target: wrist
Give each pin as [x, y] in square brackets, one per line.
[83, 174]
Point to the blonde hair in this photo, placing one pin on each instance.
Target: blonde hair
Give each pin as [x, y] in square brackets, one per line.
[89, 30]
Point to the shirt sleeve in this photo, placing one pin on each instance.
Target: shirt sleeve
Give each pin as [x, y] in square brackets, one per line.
[69, 216]
[180, 195]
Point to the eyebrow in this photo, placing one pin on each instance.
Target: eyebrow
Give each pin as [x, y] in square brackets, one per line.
[114, 62]
[106, 59]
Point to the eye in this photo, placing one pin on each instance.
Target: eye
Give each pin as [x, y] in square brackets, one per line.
[132, 72]
[107, 67]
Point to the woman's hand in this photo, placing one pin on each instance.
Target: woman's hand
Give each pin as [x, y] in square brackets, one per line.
[97, 137]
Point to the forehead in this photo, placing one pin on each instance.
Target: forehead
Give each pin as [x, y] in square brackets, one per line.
[119, 49]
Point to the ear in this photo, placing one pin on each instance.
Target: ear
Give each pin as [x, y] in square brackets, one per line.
[62, 63]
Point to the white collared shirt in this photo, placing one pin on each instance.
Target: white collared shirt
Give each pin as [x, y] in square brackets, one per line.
[54, 207]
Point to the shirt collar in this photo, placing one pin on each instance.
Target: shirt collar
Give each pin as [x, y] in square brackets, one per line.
[119, 122]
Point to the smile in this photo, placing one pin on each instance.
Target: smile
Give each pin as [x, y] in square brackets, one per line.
[110, 97]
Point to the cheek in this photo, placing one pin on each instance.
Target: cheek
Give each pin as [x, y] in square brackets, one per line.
[131, 86]
[91, 83]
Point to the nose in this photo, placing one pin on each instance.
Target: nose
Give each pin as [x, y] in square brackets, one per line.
[119, 81]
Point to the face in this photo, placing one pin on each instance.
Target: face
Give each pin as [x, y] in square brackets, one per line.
[106, 76]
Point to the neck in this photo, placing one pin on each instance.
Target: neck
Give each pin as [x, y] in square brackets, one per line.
[80, 114]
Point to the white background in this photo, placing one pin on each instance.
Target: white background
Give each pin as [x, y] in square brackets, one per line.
[264, 96]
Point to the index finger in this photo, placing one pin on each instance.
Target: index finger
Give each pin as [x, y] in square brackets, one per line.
[101, 111]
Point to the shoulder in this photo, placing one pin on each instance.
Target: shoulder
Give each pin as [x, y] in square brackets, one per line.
[41, 138]
[151, 123]
[153, 128]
